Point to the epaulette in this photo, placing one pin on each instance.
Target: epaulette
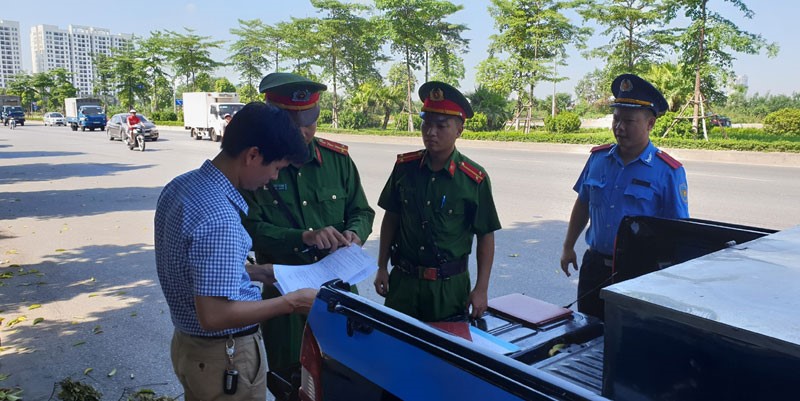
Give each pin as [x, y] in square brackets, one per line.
[668, 159]
[601, 147]
[410, 156]
[334, 146]
[472, 172]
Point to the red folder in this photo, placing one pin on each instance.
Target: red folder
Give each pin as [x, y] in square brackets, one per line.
[529, 310]
[460, 329]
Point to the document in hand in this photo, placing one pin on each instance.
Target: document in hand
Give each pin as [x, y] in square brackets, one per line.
[350, 264]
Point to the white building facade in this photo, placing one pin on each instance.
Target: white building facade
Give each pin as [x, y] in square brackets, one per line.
[73, 49]
[10, 51]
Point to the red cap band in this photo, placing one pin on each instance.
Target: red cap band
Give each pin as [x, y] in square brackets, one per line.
[299, 100]
[443, 107]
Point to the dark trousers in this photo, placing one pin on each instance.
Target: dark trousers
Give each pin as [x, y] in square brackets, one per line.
[595, 273]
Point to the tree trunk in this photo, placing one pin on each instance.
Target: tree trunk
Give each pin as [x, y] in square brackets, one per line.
[335, 113]
[408, 90]
[530, 109]
[697, 98]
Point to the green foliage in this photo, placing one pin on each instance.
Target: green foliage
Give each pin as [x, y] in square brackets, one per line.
[562, 123]
[77, 391]
[353, 120]
[681, 129]
[325, 117]
[491, 103]
[784, 121]
[478, 122]
[10, 394]
[167, 115]
[148, 395]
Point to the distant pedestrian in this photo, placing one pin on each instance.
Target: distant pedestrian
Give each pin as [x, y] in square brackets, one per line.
[631, 177]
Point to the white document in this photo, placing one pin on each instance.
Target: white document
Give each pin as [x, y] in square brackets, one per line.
[350, 264]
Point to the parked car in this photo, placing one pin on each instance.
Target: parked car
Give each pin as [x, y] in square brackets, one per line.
[117, 127]
[54, 118]
[719, 121]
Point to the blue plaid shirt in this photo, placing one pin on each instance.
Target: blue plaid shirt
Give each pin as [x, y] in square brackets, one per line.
[201, 245]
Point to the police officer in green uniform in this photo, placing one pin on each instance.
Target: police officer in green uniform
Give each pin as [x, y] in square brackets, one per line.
[437, 200]
[309, 211]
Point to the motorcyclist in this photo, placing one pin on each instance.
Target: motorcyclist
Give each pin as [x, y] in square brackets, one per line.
[227, 120]
[133, 121]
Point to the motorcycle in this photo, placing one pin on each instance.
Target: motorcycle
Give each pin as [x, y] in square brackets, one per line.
[12, 123]
[136, 138]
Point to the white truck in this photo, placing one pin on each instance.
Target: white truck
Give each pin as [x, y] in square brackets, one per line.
[204, 112]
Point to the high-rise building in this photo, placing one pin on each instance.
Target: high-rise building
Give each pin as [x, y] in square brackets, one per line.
[72, 49]
[10, 51]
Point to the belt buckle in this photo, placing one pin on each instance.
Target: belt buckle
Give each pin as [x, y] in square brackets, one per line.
[430, 273]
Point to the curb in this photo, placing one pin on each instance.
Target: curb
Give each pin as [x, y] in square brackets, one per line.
[782, 159]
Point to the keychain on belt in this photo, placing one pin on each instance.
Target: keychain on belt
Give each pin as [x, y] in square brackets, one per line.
[230, 380]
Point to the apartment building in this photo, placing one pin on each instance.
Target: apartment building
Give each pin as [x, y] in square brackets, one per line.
[72, 49]
[10, 51]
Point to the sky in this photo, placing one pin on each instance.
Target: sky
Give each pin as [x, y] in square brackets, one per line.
[775, 20]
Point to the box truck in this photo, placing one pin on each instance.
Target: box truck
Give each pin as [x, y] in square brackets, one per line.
[204, 112]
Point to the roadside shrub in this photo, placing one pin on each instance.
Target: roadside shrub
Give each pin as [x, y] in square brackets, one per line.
[782, 122]
[562, 123]
[326, 117]
[681, 129]
[353, 120]
[478, 122]
[164, 115]
[401, 122]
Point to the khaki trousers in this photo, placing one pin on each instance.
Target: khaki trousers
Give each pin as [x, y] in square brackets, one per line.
[200, 365]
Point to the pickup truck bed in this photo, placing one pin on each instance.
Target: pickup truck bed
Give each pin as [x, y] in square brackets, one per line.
[357, 349]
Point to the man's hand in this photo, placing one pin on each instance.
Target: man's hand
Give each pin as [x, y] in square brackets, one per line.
[382, 281]
[478, 300]
[262, 273]
[301, 300]
[352, 237]
[325, 238]
[568, 257]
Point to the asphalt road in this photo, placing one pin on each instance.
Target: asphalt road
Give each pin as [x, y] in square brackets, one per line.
[76, 238]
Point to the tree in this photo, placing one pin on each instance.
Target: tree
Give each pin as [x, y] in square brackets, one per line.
[411, 27]
[250, 54]
[347, 49]
[491, 103]
[443, 47]
[633, 27]
[190, 54]
[43, 82]
[62, 88]
[593, 87]
[21, 84]
[707, 44]
[223, 85]
[154, 64]
[534, 34]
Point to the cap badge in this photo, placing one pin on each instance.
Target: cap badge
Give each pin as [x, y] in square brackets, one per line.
[436, 95]
[300, 95]
[625, 85]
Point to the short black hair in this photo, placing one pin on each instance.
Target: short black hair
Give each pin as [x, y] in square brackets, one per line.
[268, 128]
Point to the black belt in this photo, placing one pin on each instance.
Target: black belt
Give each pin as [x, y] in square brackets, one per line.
[432, 273]
[608, 260]
[248, 332]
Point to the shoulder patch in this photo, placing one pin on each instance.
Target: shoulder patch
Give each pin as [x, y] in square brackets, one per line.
[472, 172]
[410, 156]
[601, 147]
[668, 159]
[334, 146]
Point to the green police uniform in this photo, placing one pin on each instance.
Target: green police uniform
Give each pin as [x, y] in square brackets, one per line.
[456, 203]
[324, 191]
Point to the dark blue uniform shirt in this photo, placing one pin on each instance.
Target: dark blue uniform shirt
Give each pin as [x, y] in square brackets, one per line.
[646, 186]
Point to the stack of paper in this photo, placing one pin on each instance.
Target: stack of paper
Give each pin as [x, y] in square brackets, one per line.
[350, 264]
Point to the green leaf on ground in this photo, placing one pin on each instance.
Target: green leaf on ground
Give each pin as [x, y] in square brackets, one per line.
[87, 371]
[34, 306]
[79, 343]
[513, 255]
[4, 376]
[93, 295]
[5, 275]
[61, 250]
[120, 292]
[97, 330]
[38, 320]
[112, 372]
[17, 321]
